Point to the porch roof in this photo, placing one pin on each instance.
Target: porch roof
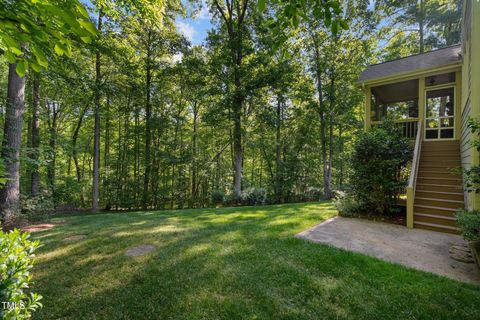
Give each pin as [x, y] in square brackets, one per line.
[419, 62]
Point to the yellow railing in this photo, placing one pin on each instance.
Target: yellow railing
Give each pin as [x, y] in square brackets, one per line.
[412, 181]
[409, 127]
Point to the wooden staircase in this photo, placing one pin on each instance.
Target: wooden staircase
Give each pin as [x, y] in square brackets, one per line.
[439, 190]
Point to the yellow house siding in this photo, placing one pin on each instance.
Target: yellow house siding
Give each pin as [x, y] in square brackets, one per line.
[471, 89]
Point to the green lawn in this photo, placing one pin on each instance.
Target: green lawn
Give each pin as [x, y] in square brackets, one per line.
[233, 263]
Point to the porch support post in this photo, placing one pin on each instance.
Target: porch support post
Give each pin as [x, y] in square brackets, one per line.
[458, 105]
[421, 100]
[368, 107]
[410, 199]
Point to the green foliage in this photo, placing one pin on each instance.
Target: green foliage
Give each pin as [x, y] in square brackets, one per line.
[67, 191]
[3, 180]
[313, 194]
[218, 197]
[469, 224]
[293, 12]
[16, 262]
[413, 26]
[254, 196]
[32, 30]
[379, 156]
[35, 208]
[346, 204]
[471, 176]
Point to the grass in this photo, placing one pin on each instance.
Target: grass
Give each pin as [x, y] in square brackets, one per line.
[231, 263]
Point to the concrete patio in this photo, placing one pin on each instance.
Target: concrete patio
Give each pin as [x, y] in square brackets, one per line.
[420, 249]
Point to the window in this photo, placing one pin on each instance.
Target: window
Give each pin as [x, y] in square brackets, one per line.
[440, 79]
[439, 116]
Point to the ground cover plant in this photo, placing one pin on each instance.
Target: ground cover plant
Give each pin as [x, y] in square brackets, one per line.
[228, 263]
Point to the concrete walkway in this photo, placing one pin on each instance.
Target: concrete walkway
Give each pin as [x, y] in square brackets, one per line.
[416, 248]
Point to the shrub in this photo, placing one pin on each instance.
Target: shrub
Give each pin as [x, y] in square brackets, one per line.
[37, 207]
[16, 261]
[378, 158]
[313, 194]
[469, 224]
[254, 196]
[67, 192]
[231, 199]
[218, 197]
[346, 204]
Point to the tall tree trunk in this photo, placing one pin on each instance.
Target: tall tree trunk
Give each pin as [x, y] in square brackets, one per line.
[340, 137]
[194, 155]
[12, 140]
[96, 132]
[106, 157]
[421, 25]
[237, 118]
[321, 110]
[136, 155]
[278, 153]
[52, 143]
[78, 171]
[35, 125]
[148, 116]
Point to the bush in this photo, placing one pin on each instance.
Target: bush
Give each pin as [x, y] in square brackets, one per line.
[378, 158]
[346, 204]
[469, 224]
[37, 207]
[67, 192]
[16, 261]
[231, 199]
[313, 194]
[218, 197]
[254, 196]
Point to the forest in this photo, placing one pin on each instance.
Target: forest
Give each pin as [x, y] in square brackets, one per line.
[125, 112]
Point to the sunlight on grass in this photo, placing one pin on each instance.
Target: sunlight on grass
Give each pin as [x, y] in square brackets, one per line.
[228, 263]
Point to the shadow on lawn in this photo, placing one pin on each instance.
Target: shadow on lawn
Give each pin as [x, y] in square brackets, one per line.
[233, 263]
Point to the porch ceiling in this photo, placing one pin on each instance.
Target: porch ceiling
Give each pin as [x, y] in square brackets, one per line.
[400, 91]
[419, 62]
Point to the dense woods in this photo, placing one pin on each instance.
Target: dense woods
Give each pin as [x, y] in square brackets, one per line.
[138, 117]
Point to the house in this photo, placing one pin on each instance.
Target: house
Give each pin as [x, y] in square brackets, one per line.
[432, 96]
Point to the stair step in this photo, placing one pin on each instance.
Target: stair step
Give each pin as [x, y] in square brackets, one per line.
[436, 227]
[448, 156]
[440, 162]
[441, 142]
[437, 167]
[436, 219]
[443, 181]
[428, 215]
[439, 202]
[440, 194]
[438, 187]
[441, 211]
[440, 149]
[438, 174]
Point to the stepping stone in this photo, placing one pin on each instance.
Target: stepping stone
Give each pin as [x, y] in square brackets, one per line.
[461, 253]
[463, 248]
[38, 227]
[77, 237]
[139, 250]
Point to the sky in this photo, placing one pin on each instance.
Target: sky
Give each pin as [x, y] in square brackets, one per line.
[196, 26]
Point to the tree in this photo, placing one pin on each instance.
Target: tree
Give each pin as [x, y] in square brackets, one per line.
[10, 194]
[33, 32]
[416, 26]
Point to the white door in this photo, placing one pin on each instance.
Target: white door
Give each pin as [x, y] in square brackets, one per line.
[439, 114]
